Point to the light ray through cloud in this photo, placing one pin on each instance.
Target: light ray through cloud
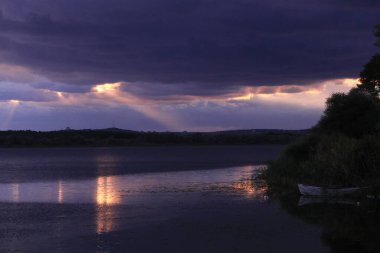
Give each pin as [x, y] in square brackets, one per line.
[254, 106]
[9, 113]
[111, 91]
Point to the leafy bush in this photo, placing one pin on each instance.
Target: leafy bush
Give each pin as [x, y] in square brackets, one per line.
[354, 114]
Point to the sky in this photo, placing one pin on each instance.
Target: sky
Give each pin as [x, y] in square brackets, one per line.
[178, 65]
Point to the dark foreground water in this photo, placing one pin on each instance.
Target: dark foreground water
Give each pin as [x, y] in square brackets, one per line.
[213, 209]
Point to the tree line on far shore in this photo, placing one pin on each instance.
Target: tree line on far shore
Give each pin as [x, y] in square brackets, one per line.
[119, 137]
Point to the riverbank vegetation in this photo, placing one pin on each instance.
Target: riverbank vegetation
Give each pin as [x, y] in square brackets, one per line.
[344, 147]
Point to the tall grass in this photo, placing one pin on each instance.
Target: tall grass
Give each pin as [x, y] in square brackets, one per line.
[325, 160]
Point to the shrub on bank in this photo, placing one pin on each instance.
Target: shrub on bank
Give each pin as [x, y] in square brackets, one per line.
[328, 160]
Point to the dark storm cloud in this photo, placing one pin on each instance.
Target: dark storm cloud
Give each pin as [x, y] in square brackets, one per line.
[61, 87]
[188, 47]
[172, 92]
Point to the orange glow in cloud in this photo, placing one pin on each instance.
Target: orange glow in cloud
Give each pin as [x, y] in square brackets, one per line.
[313, 91]
[14, 102]
[107, 88]
[308, 96]
[247, 96]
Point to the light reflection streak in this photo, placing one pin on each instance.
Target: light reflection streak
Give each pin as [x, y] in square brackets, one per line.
[60, 192]
[250, 190]
[15, 192]
[107, 194]
[247, 185]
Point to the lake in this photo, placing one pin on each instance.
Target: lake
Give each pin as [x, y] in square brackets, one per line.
[166, 199]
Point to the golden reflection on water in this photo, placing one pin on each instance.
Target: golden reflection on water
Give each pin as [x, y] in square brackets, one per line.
[249, 187]
[106, 196]
[106, 191]
[104, 221]
[15, 192]
[60, 192]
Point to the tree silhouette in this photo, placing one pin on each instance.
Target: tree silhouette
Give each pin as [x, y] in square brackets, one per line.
[370, 76]
[354, 114]
[377, 34]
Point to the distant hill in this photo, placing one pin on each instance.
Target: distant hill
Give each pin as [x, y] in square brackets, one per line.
[111, 129]
[256, 131]
[123, 137]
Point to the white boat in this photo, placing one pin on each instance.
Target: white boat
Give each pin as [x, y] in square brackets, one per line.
[317, 191]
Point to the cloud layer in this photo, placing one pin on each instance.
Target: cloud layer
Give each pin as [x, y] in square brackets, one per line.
[220, 43]
[180, 54]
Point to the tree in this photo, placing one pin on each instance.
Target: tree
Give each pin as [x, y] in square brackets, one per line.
[370, 76]
[355, 114]
[377, 34]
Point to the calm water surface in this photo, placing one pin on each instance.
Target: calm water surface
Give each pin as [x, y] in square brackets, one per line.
[208, 209]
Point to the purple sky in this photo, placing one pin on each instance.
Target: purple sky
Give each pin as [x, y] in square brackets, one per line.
[196, 65]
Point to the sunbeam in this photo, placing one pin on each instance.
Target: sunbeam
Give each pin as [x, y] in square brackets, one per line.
[9, 113]
[111, 91]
